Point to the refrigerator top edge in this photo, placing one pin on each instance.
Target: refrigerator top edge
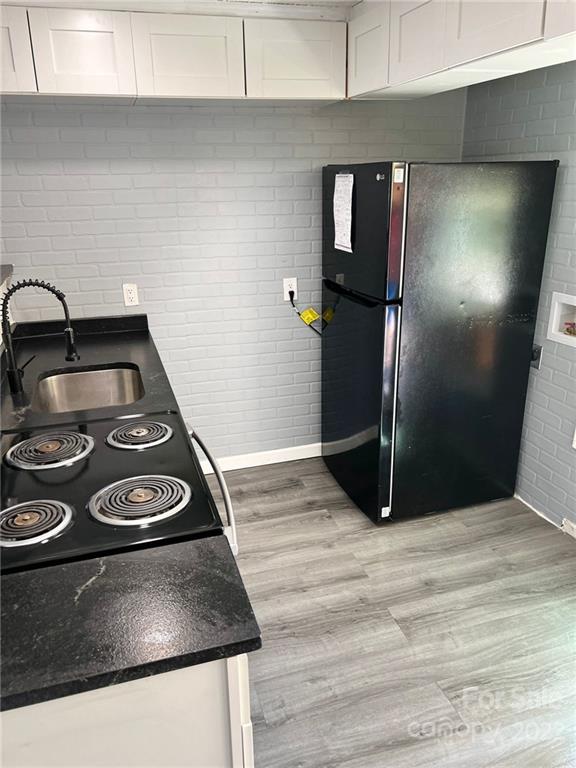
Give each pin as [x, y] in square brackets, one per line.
[371, 164]
[414, 163]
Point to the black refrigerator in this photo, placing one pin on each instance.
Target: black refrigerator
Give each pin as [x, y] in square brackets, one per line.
[429, 309]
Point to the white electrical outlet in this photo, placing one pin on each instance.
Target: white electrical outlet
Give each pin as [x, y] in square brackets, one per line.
[130, 294]
[290, 284]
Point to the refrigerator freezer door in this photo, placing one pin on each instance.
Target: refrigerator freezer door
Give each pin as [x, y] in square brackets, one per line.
[475, 243]
[367, 269]
[358, 359]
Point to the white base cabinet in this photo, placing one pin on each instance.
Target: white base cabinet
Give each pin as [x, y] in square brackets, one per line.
[197, 717]
[17, 73]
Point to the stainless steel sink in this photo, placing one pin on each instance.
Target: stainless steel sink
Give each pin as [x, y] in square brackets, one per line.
[81, 389]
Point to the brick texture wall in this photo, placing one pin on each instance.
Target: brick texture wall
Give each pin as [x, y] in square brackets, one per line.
[528, 117]
[206, 209]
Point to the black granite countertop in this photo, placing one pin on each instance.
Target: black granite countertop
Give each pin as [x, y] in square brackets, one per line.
[84, 625]
[100, 341]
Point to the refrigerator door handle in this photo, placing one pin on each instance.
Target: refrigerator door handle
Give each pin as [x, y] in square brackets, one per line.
[358, 298]
[396, 231]
[390, 366]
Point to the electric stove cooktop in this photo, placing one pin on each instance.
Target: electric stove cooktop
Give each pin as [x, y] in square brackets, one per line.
[100, 487]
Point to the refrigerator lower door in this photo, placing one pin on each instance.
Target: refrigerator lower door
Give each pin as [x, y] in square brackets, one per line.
[358, 362]
[475, 244]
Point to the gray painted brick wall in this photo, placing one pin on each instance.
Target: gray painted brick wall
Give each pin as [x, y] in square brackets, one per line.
[528, 117]
[206, 209]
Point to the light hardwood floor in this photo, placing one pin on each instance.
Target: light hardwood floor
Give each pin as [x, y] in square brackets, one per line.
[439, 642]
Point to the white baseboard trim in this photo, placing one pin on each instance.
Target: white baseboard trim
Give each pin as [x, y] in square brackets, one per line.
[533, 508]
[261, 458]
[567, 526]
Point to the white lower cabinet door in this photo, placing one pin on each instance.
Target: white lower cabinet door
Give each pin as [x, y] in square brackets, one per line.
[295, 58]
[479, 28]
[416, 39]
[368, 48]
[560, 17]
[17, 75]
[197, 717]
[83, 52]
[183, 55]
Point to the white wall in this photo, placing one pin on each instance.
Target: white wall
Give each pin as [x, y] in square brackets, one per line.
[533, 117]
[206, 209]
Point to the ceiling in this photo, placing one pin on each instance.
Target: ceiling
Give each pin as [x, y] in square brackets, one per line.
[319, 9]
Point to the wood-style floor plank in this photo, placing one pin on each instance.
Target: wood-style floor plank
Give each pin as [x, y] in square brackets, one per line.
[439, 642]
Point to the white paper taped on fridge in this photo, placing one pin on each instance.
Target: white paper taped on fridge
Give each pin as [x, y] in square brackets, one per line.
[343, 185]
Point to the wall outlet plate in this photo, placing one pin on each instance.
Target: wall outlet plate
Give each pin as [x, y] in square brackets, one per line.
[536, 359]
[290, 284]
[130, 291]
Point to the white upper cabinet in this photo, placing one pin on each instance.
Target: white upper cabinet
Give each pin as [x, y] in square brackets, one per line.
[560, 17]
[182, 55]
[368, 47]
[295, 59]
[476, 29]
[397, 49]
[84, 52]
[17, 75]
[416, 39]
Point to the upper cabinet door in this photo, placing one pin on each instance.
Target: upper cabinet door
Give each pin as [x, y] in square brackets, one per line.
[180, 55]
[416, 39]
[17, 75]
[295, 59]
[83, 51]
[368, 47]
[475, 29]
[560, 17]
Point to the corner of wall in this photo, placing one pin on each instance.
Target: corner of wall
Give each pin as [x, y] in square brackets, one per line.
[463, 123]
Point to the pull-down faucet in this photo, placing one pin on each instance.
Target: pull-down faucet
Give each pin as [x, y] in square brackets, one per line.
[14, 373]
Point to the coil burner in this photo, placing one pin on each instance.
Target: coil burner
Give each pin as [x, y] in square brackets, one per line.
[140, 501]
[50, 450]
[33, 522]
[139, 435]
